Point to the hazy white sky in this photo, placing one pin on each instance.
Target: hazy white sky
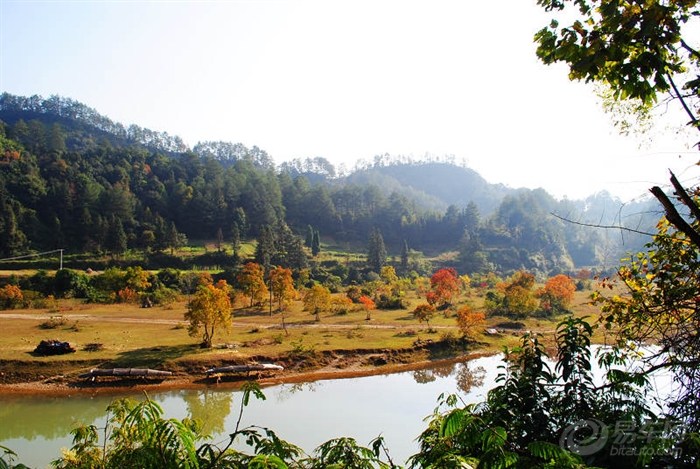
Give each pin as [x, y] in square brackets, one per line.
[345, 80]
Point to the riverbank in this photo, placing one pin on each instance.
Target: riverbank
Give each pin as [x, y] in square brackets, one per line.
[338, 346]
[63, 377]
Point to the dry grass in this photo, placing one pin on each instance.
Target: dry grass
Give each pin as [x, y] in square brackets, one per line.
[131, 336]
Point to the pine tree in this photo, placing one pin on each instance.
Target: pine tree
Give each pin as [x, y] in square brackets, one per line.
[235, 238]
[309, 240]
[289, 249]
[404, 257]
[265, 248]
[12, 238]
[296, 256]
[241, 221]
[376, 251]
[171, 237]
[472, 258]
[219, 239]
[116, 237]
[316, 243]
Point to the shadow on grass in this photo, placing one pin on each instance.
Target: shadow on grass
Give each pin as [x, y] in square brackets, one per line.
[408, 317]
[151, 357]
[248, 312]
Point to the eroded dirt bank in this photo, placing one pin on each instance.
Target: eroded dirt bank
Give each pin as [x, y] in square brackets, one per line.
[62, 377]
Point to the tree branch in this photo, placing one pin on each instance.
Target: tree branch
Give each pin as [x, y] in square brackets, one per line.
[674, 217]
[685, 198]
[608, 227]
[693, 119]
[690, 50]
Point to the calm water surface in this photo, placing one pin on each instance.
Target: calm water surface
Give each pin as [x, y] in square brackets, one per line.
[304, 414]
[307, 414]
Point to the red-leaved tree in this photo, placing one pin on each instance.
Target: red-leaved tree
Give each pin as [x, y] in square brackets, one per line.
[445, 284]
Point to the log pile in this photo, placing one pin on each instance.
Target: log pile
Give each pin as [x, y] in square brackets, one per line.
[124, 372]
[244, 368]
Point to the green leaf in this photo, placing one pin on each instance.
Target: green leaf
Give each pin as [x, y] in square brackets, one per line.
[266, 461]
[453, 423]
[551, 452]
[492, 438]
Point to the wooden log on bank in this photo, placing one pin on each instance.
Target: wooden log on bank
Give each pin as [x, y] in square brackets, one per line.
[121, 372]
[244, 368]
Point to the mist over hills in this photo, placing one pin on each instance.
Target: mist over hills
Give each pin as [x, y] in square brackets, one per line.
[70, 175]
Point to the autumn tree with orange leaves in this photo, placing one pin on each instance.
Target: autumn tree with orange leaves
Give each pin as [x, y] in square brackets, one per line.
[445, 284]
[368, 305]
[557, 294]
[469, 321]
[11, 296]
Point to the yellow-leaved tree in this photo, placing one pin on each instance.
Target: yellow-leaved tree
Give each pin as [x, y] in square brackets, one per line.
[251, 280]
[209, 310]
[317, 299]
[281, 287]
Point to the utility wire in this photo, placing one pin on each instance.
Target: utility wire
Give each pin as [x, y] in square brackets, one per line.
[31, 255]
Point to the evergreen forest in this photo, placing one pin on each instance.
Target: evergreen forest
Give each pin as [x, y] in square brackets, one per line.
[72, 179]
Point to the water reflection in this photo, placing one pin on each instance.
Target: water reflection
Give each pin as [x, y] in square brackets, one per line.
[469, 377]
[286, 391]
[31, 418]
[423, 376]
[306, 414]
[209, 407]
[446, 370]
[466, 375]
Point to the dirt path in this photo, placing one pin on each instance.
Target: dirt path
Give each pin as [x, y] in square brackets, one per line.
[175, 322]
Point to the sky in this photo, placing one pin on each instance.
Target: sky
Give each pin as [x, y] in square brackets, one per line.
[343, 80]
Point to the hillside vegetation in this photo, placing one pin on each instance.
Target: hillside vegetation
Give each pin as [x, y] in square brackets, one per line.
[72, 179]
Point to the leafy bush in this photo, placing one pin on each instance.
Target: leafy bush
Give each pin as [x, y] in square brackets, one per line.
[169, 277]
[11, 297]
[71, 284]
[161, 296]
[390, 302]
[53, 322]
[354, 293]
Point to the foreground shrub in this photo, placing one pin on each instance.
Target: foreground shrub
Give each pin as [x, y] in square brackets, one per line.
[137, 435]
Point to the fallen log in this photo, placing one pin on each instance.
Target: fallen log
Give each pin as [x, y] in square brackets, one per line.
[245, 368]
[95, 372]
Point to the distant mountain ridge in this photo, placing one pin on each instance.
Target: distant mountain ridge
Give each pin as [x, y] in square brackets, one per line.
[68, 111]
[70, 176]
[435, 185]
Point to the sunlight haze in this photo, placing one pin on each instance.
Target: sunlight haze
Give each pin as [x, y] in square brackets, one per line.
[341, 80]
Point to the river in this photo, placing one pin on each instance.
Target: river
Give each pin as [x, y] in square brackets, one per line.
[308, 414]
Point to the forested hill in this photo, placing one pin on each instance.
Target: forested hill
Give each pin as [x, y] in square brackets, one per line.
[433, 184]
[73, 179]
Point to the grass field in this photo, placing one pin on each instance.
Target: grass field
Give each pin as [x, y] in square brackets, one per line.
[130, 336]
